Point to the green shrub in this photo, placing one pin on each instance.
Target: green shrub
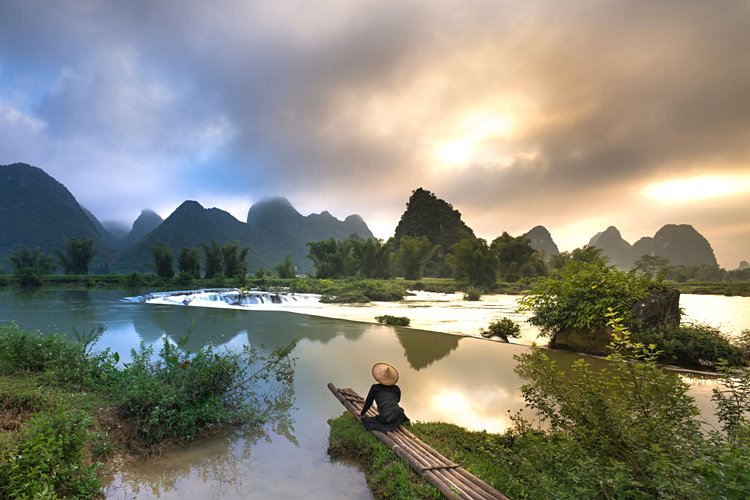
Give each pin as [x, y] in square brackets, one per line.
[387, 319]
[473, 294]
[695, 345]
[48, 459]
[503, 328]
[580, 294]
[180, 394]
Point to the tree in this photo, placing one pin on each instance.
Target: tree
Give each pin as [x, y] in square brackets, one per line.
[584, 254]
[214, 259]
[162, 260]
[29, 265]
[331, 258]
[77, 256]
[286, 269]
[652, 266]
[372, 258]
[189, 263]
[516, 258]
[413, 255]
[472, 259]
[235, 260]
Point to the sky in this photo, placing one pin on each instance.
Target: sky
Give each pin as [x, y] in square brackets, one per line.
[574, 115]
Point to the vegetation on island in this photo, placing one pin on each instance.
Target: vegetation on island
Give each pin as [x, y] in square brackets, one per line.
[630, 430]
[65, 409]
[581, 293]
[387, 319]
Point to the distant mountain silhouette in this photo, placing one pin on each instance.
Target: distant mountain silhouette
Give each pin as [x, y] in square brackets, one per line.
[428, 215]
[277, 228]
[274, 228]
[119, 230]
[614, 247]
[146, 222]
[681, 244]
[38, 211]
[541, 241]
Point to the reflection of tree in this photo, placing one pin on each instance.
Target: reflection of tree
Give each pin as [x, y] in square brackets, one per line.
[423, 348]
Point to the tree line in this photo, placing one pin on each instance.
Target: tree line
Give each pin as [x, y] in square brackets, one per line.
[473, 260]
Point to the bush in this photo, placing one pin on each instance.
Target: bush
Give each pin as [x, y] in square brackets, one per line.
[180, 394]
[473, 294]
[503, 328]
[695, 345]
[580, 294]
[387, 319]
[48, 459]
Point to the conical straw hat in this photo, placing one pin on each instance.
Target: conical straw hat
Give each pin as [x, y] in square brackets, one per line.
[385, 373]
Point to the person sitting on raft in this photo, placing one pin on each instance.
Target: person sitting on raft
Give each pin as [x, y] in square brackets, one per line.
[386, 394]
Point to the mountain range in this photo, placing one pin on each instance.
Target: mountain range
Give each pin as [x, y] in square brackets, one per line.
[38, 211]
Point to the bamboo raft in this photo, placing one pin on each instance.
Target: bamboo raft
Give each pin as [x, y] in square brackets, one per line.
[451, 479]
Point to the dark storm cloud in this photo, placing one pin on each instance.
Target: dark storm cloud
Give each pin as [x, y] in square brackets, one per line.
[341, 106]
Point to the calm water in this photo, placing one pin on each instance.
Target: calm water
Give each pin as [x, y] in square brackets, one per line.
[464, 380]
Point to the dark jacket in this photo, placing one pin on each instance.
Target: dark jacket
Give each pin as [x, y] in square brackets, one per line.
[387, 398]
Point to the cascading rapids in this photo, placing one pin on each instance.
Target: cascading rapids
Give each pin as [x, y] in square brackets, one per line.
[218, 297]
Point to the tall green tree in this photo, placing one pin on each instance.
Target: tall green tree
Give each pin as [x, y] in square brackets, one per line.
[413, 254]
[372, 258]
[235, 259]
[473, 260]
[652, 266]
[189, 263]
[163, 260]
[29, 265]
[286, 269]
[331, 258]
[77, 256]
[516, 258]
[214, 260]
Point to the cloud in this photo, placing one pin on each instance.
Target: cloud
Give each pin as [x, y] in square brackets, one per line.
[515, 113]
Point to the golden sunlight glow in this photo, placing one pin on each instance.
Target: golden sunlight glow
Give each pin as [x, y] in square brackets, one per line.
[697, 188]
[471, 137]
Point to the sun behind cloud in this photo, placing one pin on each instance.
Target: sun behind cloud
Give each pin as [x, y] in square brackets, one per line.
[698, 188]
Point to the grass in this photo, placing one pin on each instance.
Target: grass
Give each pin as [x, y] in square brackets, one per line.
[387, 475]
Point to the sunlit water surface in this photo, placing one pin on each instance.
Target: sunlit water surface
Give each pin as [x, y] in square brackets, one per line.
[464, 380]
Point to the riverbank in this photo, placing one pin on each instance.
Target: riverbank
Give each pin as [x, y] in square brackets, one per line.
[628, 431]
[148, 281]
[68, 414]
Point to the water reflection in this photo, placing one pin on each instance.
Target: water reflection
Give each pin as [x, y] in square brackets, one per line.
[423, 348]
[465, 381]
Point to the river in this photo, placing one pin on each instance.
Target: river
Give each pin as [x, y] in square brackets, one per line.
[465, 380]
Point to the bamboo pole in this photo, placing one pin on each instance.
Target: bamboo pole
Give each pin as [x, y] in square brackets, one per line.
[449, 478]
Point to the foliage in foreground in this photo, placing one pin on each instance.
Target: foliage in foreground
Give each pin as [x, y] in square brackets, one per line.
[627, 431]
[695, 345]
[633, 426]
[170, 398]
[387, 475]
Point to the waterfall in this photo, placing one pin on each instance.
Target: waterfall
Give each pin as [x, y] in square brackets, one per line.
[218, 297]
